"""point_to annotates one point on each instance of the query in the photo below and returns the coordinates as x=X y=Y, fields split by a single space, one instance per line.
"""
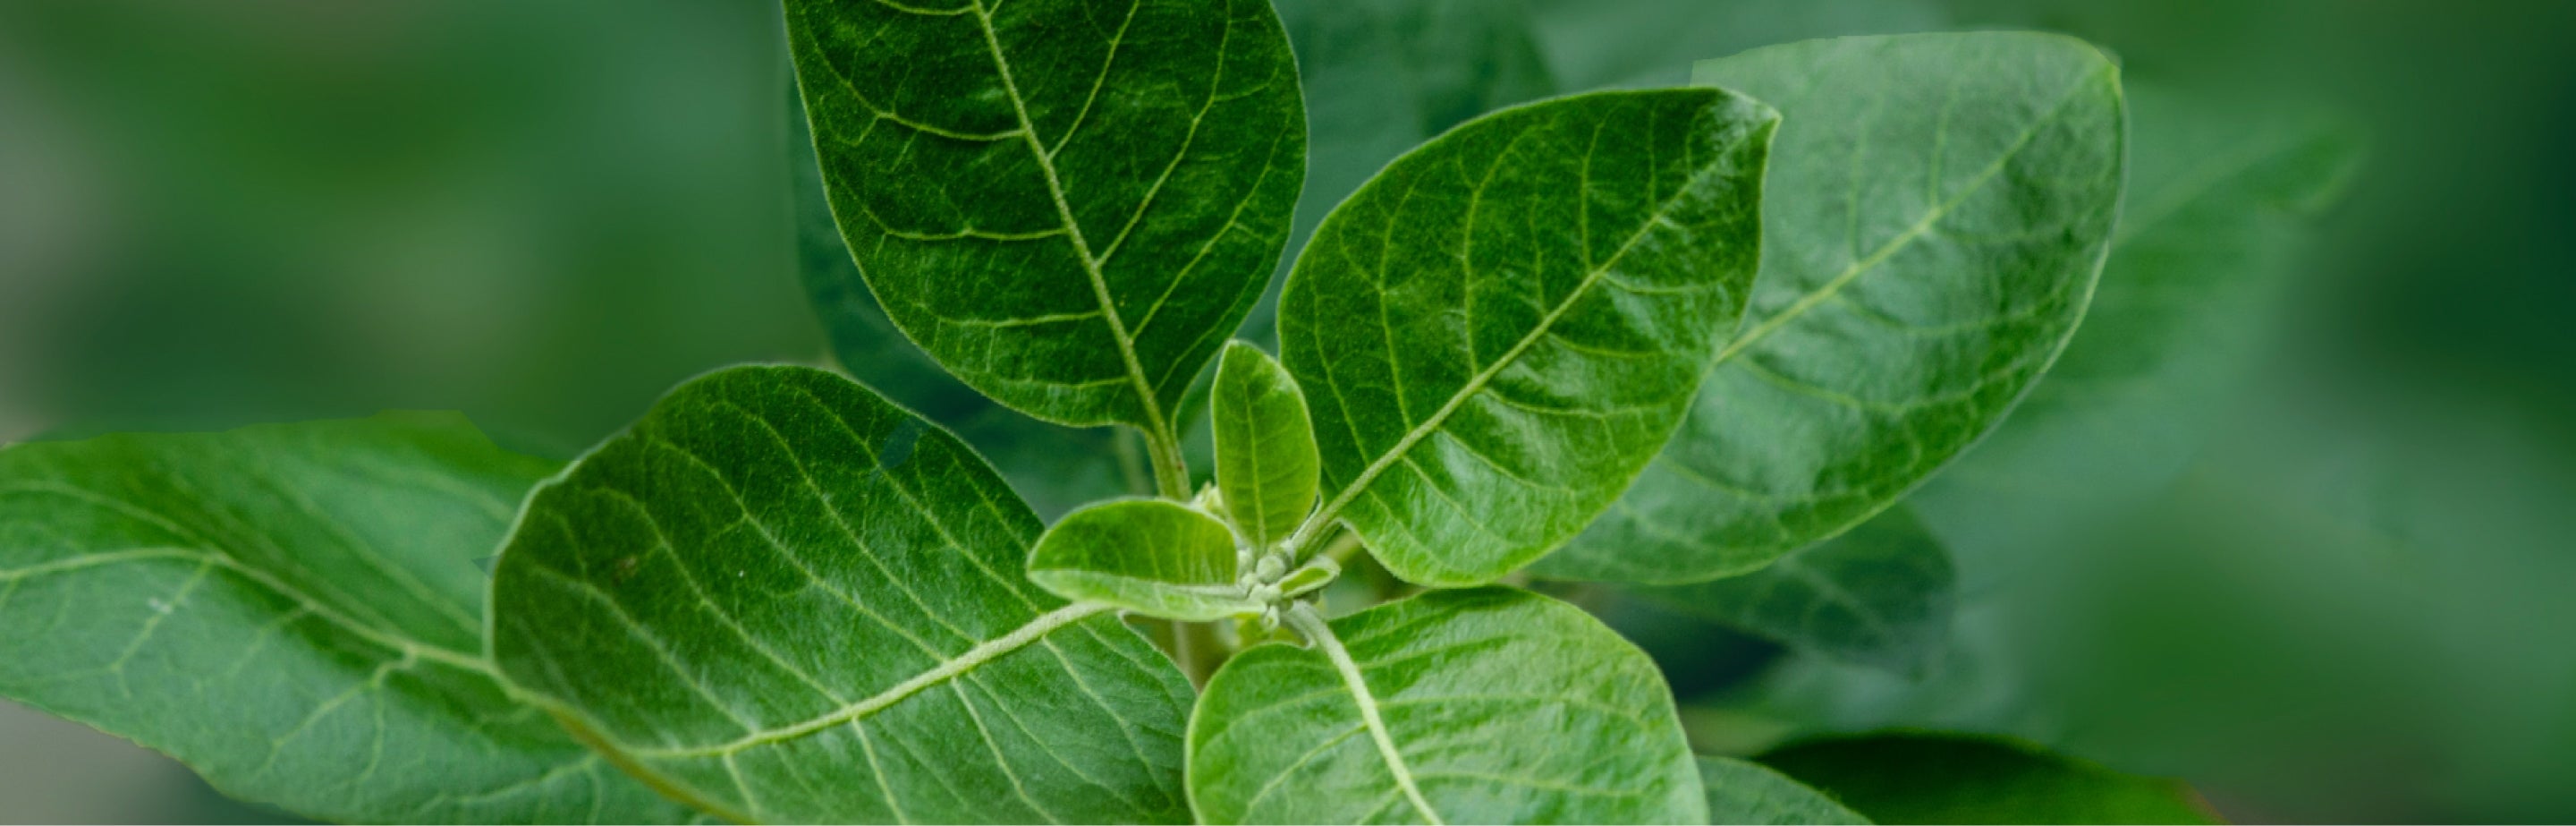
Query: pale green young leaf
x=1151 y=556
x=1265 y=446
x=1939 y=209
x=1881 y=595
x=1903 y=777
x=1745 y=792
x=1489 y=705
x=782 y=598
x=296 y=612
x=1500 y=330
x=2220 y=195
x=1068 y=204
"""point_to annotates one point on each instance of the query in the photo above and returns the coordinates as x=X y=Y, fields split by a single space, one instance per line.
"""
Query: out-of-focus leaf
x=1499 y=331
x=1745 y=792
x=1935 y=221
x=1938 y=778
x=1479 y=706
x=1593 y=44
x=296 y=612
x=1068 y=205
x=1265 y=446
x=1153 y=556
x=1881 y=595
x=778 y=577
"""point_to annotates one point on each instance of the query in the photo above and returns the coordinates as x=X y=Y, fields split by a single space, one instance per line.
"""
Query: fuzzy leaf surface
x=1265 y=445
x=1745 y=792
x=1152 y=556
x=1489 y=705
x=1502 y=328
x=1948 y=778
x=1939 y=207
x=296 y=612
x=1881 y=595
x=1068 y=204
x=782 y=598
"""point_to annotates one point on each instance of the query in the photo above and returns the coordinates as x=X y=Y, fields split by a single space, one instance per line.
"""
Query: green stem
x=1171 y=471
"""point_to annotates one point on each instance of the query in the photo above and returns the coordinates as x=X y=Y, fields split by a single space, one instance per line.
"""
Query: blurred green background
x=2357 y=604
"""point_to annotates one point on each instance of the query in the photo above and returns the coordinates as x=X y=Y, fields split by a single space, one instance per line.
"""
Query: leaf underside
x=1485 y=706
x=1068 y=205
x=782 y=598
x=295 y=611
x=1498 y=331
x=1940 y=205
x=1880 y=595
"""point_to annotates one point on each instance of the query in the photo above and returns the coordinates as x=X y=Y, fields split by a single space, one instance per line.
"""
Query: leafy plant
x=1697 y=343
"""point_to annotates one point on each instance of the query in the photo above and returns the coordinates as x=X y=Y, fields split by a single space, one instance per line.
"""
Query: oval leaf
x=1880 y=595
x=1501 y=329
x=296 y=612
x=1480 y=706
x=1151 y=556
x=1068 y=204
x=1742 y=792
x=1940 y=207
x=1949 y=778
x=1265 y=446
x=782 y=598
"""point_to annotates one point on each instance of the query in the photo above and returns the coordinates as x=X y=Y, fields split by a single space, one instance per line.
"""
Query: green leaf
x=781 y=597
x=1744 y=792
x=1265 y=446
x=1939 y=212
x=1152 y=556
x=1946 y=778
x=1879 y=595
x=1479 y=706
x=1067 y=204
x=2219 y=195
x=1502 y=328
x=296 y=612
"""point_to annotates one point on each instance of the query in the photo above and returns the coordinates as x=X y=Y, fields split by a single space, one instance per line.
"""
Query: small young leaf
x=1937 y=215
x=1743 y=792
x=1265 y=446
x=1879 y=595
x=781 y=597
x=1068 y=204
x=1480 y=706
x=296 y=612
x=1501 y=329
x=1151 y=556
x=1948 y=778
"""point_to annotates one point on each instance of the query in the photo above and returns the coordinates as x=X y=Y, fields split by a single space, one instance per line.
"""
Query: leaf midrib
x=1321 y=633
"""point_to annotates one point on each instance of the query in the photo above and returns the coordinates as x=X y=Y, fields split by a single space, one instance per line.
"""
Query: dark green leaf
x=1152 y=556
x=2219 y=193
x=1500 y=330
x=783 y=598
x=1941 y=778
x=1879 y=595
x=1743 y=792
x=1938 y=214
x=1489 y=705
x=1068 y=204
x=1265 y=446
x=295 y=611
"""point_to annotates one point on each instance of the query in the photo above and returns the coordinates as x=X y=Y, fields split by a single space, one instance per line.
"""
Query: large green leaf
x=1500 y=330
x=2219 y=193
x=1265 y=446
x=1938 y=214
x=1938 y=778
x=1479 y=706
x=1068 y=204
x=296 y=612
x=1744 y=792
x=1881 y=595
x=1153 y=556
x=782 y=598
